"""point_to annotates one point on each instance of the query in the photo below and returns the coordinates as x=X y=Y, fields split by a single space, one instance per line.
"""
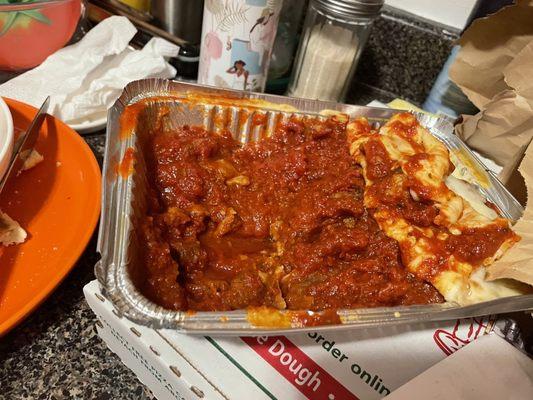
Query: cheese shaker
x=334 y=33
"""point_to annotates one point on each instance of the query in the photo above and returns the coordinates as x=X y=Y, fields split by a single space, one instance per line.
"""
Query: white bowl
x=7 y=137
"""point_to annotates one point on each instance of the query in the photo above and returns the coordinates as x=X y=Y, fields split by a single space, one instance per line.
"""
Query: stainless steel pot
x=181 y=18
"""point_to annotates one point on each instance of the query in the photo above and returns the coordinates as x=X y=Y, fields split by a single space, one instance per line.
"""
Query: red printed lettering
x=294 y=365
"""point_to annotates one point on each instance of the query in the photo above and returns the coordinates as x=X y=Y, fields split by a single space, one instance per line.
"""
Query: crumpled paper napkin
x=84 y=79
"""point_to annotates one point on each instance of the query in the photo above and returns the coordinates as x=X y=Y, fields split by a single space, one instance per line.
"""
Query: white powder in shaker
x=327 y=62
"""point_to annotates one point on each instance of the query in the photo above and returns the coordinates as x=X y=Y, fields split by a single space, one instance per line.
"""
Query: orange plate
x=58 y=203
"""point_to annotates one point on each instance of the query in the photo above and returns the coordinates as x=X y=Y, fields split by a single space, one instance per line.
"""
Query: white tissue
x=84 y=79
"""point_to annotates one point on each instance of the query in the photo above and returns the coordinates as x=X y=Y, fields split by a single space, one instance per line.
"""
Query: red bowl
x=31 y=31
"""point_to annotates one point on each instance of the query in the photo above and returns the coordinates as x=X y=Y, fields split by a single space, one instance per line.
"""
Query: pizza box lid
x=363 y=364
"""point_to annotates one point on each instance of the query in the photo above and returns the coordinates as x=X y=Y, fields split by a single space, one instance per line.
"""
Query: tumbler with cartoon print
x=237 y=40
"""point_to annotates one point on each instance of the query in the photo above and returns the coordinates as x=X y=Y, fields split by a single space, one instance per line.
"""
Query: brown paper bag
x=504 y=125
x=494 y=68
x=487 y=47
x=501 y=129
x=518 y=262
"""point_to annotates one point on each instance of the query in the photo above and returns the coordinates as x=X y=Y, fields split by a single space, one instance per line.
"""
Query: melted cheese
x=464 y=290
x=425 y=169
x=471 y=195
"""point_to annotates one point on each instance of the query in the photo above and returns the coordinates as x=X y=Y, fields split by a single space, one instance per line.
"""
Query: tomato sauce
x=326 y=317
x=476 y=244
x=125 y=167
x=278 y=223
x=379 y=163
x=392 y=191
x=129 y=119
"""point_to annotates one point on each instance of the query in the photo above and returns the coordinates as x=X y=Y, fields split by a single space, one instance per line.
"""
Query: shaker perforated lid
x=350 y=8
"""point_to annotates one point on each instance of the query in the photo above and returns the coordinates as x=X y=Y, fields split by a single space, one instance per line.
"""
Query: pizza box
x=489 y=368
x=363 y=364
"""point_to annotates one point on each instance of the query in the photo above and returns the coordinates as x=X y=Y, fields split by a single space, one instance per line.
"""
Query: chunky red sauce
x=475 y=245
x=277 y=223
x=379 y=163
x=391 y=191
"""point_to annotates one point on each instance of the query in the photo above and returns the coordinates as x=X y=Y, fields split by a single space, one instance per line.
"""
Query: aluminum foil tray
x=124 y=202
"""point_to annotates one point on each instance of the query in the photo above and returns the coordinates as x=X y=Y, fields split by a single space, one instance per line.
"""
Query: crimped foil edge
x=116 y=225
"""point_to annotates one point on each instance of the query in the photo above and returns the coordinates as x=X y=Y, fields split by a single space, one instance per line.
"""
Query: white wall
x=453 y=13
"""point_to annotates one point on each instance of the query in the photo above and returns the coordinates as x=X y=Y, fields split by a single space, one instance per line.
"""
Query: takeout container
x=6 y=137
x=174 y=104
